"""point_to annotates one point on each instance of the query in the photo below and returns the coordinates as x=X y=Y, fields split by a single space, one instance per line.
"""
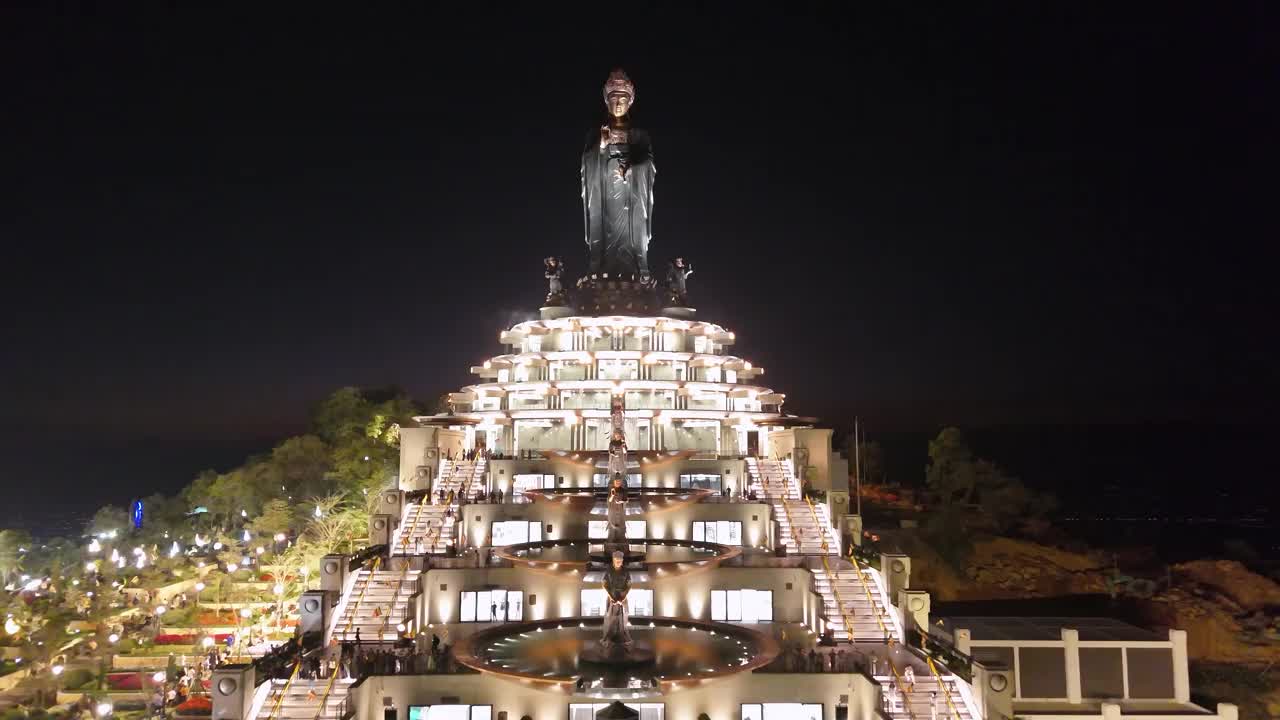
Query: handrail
x=351 y=613
x=324 y=700
x=871 y=599
x=394 y=598
x=831 y=578
x=906 y=694
x=285 y=690
x=817 y=524
x=946 y=694
x=411 y=528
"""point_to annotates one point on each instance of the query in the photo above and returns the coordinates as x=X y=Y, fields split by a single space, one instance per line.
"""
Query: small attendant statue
x=553 y=268
x=677 y=275
x=617 y=583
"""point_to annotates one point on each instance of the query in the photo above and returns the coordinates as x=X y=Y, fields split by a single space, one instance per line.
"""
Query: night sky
x=1002 y=215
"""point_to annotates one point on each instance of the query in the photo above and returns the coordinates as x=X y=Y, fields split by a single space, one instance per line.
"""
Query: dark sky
x=1007 y=214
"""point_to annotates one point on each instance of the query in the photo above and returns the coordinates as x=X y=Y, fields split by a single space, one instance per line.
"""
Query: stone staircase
x=377 y=601
x=300 y=699
x=866 y=615
x=427 y=528
x=925 y=699
x=804 y=528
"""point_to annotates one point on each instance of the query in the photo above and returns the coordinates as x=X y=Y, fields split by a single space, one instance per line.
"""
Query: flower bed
x=196 y=705
x=124 y=681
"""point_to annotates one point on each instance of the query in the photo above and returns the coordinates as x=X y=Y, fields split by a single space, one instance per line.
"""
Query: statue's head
x=678 y=262
x=617 y=559
x=617 y=480
x=619 y=93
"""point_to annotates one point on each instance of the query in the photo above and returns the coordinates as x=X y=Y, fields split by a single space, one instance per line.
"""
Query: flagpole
x=857 y=464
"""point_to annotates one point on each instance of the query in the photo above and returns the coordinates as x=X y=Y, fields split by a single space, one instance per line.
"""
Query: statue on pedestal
x=553 y=268
x=616 y=513
x=617 y=175
x=617 y=583
x=677 y=275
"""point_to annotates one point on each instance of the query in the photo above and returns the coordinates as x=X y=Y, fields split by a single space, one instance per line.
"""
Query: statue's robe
x=618 y=211
x=617 y=583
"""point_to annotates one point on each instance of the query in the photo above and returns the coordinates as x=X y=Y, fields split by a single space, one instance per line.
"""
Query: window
x=450 y=712
x=747 y=606
x=530 y=482
x=782 y=711
x=497 y=605
x=706 y=481
x=725 y=532
x=512 y=532
x=648 y=711
x=600 y=480
x=619 y=369
x=599 y=529
x=639 y=602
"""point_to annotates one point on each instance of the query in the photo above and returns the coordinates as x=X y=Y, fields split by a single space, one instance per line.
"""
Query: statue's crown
x=619 y=82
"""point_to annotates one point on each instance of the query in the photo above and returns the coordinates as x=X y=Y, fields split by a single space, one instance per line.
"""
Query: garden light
x=103 y=709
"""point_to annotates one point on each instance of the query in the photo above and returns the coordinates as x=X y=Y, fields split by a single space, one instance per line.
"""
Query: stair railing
x=871 y=599
x=324 y=700
x=906 y=694
x=284 y=690
x=406 y=531
x=946 y=694
x=353 y=610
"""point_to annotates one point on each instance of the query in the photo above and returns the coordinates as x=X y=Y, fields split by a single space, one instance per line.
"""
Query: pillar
x=1071 y=648
x=1181 y=676
x=993 y=690
x=915 y=605
x=850 y=527
x=380 y=529
x=313 y=612
x=391 y=503
x=1110 y=711
x=232 y=687
x=333 y=573
x=897 y=573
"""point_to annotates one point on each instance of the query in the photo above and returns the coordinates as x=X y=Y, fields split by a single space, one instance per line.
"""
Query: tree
x=13 y=545
x=302 y=464
x=277 y=517
x=971 y=493
x=107 y=519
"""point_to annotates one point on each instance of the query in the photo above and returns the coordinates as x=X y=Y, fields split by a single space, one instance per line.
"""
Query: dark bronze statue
x=553 y=268
x=677 y=274
x=617 y=584
x=617 y=188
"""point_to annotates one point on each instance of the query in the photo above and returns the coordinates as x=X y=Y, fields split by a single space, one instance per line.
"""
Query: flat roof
x=1047 y=628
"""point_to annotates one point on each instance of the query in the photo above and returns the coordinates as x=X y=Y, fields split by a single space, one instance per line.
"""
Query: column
x=1181 y=678
x=1071 y=646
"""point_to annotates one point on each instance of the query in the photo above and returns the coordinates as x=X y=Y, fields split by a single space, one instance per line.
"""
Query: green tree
x=302 y=464
x=108 y=518
x=277 y=517
x=13 y=546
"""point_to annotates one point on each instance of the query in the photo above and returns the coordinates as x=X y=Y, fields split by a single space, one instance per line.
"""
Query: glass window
x=599 y=529
x=648 y=711
x=706 y=481
x=748 y=606
x=450 y=712
x=619 y=369
x=494 y=605
x=781 y=711
x=639 y=602
x=530 y=481
x=724 y=532
x=599 y=480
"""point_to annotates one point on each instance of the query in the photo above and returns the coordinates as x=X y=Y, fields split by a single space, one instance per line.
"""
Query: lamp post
x=199 y=589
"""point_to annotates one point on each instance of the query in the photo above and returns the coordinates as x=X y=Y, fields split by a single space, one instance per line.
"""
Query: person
x=909 y=677
x=933 y=705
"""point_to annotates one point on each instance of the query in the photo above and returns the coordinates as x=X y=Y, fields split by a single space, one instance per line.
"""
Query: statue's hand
x=604 y=136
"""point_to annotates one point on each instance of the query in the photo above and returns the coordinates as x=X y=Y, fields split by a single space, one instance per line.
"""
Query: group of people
x=418 y=658
x=817 y=661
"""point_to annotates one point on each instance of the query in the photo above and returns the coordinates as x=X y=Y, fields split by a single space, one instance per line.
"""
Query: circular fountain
x=609 y=656
x=669 y=653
